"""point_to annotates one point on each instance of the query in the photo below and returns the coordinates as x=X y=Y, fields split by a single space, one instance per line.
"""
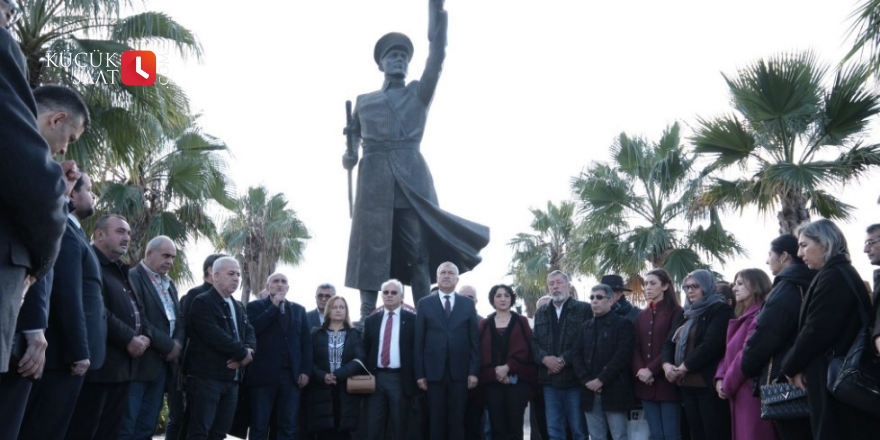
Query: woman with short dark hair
x=507 y=368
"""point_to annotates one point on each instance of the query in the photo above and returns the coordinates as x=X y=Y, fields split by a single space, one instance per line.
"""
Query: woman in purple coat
x=750 y=286
x=659 y=397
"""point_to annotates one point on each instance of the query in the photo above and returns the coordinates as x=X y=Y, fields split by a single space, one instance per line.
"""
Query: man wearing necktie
x=389 y=341
x=447 y=354
x=77 y=328
x=284 y=363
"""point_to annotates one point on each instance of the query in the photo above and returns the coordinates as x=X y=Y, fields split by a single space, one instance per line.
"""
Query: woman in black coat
x=691 y=355
x=777 y=326
x=333 y=412
x=829 y=323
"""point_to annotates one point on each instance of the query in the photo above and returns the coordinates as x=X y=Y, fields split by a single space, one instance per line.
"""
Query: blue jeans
x=664 y=419
x=563 y=405
x=599 y=422
x=144 y=405
x=281 y=399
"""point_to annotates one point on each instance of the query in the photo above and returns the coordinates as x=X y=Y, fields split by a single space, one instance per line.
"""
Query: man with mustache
x=556 y=330
x=156 y=372
x=103 y=398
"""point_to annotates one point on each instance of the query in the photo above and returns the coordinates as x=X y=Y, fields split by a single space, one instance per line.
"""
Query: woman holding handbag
x=750 y=286
x=338 y=347
x=660 y=397
x=829 y=323
x=776 y=328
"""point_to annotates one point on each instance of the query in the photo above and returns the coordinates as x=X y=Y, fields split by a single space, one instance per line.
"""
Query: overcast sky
x=531 y=93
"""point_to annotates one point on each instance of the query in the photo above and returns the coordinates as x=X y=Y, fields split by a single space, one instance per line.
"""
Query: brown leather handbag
x=361 y=384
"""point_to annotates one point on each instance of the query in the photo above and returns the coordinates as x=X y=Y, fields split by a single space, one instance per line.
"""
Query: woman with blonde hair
x=751 y=287
x=333 y=412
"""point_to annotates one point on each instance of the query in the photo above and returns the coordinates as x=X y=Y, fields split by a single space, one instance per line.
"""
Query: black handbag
x=854 y=379
x=782 y=400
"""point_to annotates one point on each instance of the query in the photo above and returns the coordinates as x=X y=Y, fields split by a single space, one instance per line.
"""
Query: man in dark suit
x=156 y=367
x=284 y=363
x=77 y=328
x=447 y=354
x=103 y=398
x=389 y=341
x=33 y=220
x=221 y=343
x=29 y=352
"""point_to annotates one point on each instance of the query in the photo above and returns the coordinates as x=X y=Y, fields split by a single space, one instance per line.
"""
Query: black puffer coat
x=777 y=324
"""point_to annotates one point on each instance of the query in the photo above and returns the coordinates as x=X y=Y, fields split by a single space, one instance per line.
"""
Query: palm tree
x=792 y=139
x=262 y=233
x=537 y=254
x=125 y=119
x=635 y=208
x=168 y=192
x=866 y=30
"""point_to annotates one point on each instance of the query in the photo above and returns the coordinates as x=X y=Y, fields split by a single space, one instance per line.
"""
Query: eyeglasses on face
x=598 y=297
x=390 y=292
x=690 y=287
x=324 y=295
x=871 y=242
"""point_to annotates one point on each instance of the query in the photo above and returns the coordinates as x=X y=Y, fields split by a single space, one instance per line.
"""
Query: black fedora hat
x=389 y=41
x=615 y=282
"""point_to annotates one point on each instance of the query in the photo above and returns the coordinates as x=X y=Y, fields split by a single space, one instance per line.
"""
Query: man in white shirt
x=389 y=338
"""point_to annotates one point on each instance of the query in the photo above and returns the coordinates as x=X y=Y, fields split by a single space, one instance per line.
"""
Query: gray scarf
x=692 y=313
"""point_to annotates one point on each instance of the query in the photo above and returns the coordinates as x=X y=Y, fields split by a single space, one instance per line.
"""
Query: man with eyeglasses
x=872 y=248
x=322 y=294
x=389 y=341
x=602 y=363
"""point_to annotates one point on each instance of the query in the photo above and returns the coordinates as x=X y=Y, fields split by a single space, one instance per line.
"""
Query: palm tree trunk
x=794 y=211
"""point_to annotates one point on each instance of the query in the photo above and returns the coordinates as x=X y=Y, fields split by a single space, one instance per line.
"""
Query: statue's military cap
x=389 y=41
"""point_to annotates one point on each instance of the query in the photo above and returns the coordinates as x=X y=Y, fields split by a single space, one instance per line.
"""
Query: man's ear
x=57 y=118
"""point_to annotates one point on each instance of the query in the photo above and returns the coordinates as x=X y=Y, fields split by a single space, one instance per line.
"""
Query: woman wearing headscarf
x=691 y=355
x=776 y=327
x=750 y=286
x=829 y=323
x=659 y=397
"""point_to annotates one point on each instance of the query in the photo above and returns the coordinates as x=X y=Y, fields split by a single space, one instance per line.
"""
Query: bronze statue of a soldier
x=398 y=229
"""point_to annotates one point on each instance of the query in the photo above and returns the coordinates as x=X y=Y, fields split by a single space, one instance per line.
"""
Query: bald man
x=158 y=368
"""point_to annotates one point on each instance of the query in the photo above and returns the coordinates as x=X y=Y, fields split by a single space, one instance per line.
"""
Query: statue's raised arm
x=438 y=21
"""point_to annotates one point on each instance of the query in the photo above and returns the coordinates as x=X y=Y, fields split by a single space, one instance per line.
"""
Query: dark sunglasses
x=390 y=292
x=690 y=287
x=598 y=297
x=324 y=295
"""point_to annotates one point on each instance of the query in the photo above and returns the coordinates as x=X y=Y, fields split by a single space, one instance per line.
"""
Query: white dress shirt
x=394 y=349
